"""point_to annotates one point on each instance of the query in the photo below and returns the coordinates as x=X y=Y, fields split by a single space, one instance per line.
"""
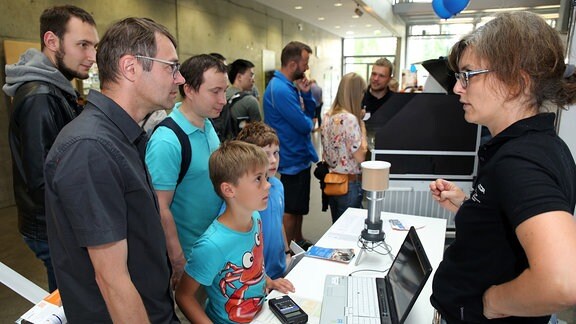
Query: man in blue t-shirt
x=289 y=109
x=188 y=208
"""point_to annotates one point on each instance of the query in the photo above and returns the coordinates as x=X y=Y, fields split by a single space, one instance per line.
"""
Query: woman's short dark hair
x=130 y=36
x=193 y=70
x=55 y=19
x=525 y=54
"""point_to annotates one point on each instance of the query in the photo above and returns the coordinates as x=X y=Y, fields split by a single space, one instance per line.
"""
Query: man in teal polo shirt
x=188 y=208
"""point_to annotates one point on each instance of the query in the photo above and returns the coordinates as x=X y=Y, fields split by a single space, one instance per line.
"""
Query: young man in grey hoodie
x=44 y=101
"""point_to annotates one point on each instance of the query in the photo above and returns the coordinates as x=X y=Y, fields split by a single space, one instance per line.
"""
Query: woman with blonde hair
x=344 y=142
x=514 y=256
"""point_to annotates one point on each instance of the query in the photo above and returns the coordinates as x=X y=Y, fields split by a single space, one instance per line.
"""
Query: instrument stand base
x=371 y=246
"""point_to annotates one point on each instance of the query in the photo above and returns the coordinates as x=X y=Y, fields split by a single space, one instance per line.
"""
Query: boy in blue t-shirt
x=276 y=248
x=228 y=259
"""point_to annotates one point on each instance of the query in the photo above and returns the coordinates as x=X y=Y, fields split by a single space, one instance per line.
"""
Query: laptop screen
x=408 y=274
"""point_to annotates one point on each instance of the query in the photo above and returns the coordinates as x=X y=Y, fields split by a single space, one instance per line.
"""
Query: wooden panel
x=13 y=49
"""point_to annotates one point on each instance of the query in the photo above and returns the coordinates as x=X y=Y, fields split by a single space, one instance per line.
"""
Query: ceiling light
x=338 y=4
x=377 y=32
x=355 y=17
x=349 y=32
x=368 y=25
x=337 y=27
x=550 y=16
x=321 y=18
x=547 y=7
x=298 y=7
x=463 y=20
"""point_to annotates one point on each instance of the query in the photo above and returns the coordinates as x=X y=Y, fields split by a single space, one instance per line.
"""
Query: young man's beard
x=66 y=71
x=379 y=88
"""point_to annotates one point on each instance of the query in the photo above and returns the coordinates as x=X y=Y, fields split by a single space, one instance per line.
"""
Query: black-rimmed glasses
x=174 y=65
x=464 y=77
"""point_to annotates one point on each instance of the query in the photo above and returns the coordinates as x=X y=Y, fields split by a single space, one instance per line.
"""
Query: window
x=426 y=42
x=377 y=46
x=424 y=30
x=361 y=53
x=456 y=29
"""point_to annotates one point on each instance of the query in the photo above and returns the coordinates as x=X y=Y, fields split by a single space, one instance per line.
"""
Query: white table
x=308 y=276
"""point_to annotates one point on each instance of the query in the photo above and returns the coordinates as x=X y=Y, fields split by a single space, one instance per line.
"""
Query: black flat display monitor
x=431 y=124
x=439 y=70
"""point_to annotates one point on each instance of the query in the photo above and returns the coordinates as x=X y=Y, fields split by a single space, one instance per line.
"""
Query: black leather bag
x=320 y=173
x=321 y=170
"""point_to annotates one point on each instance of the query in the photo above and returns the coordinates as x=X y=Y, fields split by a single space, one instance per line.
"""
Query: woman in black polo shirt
x=514 y=257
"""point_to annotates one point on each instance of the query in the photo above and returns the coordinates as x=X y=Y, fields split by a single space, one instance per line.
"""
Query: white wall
x=567 y=127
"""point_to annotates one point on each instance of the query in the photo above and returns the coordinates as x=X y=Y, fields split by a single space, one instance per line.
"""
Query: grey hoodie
x=34 y=66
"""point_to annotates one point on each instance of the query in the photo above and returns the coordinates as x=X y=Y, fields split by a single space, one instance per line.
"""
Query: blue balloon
x=438 y=6
x=455 y=6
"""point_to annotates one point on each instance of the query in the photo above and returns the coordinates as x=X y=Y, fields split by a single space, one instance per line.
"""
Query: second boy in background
x=234 y=274
x=275 y=245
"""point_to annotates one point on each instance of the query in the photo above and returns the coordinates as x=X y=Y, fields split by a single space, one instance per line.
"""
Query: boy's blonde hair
x=232 y=160
x=259 y=134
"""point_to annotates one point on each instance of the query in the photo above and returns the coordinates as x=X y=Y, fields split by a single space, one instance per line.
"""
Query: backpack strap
x=146 y=120
x=224 y=125
x=184 y=143
x=235 y=98
x=233 y=126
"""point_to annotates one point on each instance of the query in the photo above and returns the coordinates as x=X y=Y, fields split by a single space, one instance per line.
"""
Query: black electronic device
x=287 y=311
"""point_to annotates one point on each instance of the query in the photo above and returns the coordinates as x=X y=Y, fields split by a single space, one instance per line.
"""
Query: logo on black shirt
x=475 y=194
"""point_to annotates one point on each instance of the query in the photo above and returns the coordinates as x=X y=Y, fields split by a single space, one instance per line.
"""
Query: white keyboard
x=363 y=320
x=363 y=298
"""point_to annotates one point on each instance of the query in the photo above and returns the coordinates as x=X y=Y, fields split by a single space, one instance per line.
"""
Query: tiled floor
x=15 y=254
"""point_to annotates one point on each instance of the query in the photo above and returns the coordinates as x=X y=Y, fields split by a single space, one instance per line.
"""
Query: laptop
x=386 y=300
x=298 y=255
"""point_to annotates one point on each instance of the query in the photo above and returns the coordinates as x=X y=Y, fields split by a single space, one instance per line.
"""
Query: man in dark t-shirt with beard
x=378 y=92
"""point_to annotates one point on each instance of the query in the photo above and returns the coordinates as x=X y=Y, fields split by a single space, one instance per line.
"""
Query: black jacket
x=39 y=111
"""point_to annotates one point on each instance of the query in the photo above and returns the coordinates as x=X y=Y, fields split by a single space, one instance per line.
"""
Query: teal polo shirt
x=195 y=204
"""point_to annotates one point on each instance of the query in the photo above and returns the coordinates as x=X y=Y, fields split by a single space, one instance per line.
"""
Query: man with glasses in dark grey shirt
x=104 y=228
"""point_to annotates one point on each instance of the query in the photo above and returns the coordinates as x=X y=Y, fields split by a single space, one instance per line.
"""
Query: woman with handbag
x=344 y=145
